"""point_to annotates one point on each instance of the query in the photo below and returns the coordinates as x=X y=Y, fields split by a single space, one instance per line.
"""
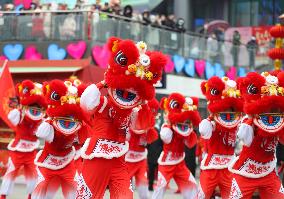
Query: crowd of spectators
x=114 y=8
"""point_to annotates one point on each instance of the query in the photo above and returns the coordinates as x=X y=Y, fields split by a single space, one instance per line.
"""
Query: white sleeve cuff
x=206 y=128
x=45 y=131
x=14 y=116
x=166 y=135
x=245 y=133
x=90 y=98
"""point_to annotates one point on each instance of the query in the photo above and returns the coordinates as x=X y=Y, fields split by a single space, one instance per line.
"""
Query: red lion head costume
x=264 y=100
x=224 y=101
x=132 y=72
x=31 y=99
x=63 y=98
x=181 y=112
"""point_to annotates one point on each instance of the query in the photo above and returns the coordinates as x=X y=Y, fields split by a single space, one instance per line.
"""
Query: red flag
x=7 y=93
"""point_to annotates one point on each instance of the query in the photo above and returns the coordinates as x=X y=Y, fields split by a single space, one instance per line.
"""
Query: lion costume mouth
x=125 y=98
x=67 y=125
x=228 y=119
x=183 y=129
x=34 y=112
x=270 y=122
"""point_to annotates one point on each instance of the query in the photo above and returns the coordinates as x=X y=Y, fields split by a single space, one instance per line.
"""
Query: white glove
x=166 y=135
x=206 y=128
x=14 y=116
x=245 y=133
x=45 y=131
x=90 y=98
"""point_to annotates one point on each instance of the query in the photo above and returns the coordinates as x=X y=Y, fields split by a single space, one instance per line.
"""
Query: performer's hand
x=90 y=98
x=245 y=131
x=166 y=134
x=14 y=116
x=206 y=128
x=45 y=131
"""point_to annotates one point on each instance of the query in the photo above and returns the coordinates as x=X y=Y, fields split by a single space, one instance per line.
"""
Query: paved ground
x=19 y=192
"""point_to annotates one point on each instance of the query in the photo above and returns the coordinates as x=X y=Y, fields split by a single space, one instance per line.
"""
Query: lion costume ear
x=45 y=88
x=203 y=87
x=163 y=103
x=113 y=44
x=19 y=88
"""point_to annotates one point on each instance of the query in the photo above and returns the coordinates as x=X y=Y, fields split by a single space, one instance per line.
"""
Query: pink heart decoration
x=170 y=65
x=77 y=50
x=101 y=55
x=26 y=3
x=200 y=67
x=2 y=57
x=31 y=53
x=232 y=73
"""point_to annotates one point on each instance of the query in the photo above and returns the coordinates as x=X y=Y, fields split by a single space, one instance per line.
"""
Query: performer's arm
x=45 y=131
x=14 y=116
x=245 y=132
x=206 y=127
x=166 y=134
x=91 y=98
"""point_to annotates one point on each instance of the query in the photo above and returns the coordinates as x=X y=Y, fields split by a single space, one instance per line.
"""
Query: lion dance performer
x=136 y=157
x=260 y=131
x=22 y=149
x=219 y=132
x=64 y=126
x=129 y=80
x=181 y=115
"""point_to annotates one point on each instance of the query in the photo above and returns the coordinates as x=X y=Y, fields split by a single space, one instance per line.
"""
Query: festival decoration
x=77 y=50
x=55 y=52
x=13 y=51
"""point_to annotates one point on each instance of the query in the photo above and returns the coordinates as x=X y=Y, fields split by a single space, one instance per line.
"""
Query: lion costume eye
x=214 y=91
x=252 y=89
x=121 y=59
x=54 y=96
x=25 y=90
x=174 y=104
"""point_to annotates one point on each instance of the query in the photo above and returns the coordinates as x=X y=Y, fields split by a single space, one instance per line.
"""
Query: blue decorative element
x=209 y=70
x=270 y=120
x=67 y=124
x=19 y=8
x=219 y=71
x=228 y=117
x=179 y=62
x=13 y=52
x=242 y=72
x=55 y=53
x=34 y=112
x=189 y=68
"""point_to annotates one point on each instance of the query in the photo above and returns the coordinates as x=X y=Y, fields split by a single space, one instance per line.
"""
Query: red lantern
x=277 y=31
x=276 y=53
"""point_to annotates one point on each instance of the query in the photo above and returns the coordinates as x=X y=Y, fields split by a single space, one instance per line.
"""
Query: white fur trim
x=45 y=131
x=200 y=194
x=83 y=191
x=90 y=98
x=213 y=164
x=135 y=156
x=235 y=192
x=281 y=190
x=104 y=105
x=205 y=129
x=245 y=133
x=24 y=145
x=98 y=154
x=77 y=154
x=66 y=160
x=169 y=161
x=166 y=135
x=243 y=169
x=14 y=116
x=7 y=182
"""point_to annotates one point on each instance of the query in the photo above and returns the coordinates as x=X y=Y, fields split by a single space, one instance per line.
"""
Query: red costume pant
x=98 y=173
x=139 y=171
x=182 y=176
x=210 y=179
x=18 y=160
x=49 y=182
x=269 y=187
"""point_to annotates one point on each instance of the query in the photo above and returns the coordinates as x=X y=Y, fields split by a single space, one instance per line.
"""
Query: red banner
x=7 y=94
